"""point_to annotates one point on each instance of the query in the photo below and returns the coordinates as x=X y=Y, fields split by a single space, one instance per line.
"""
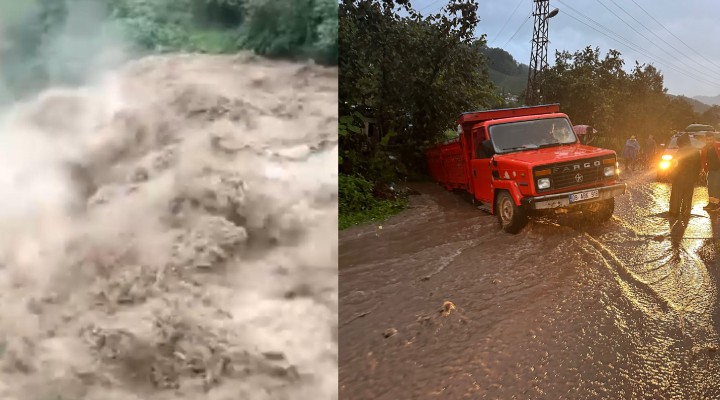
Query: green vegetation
x=410 y=76
x=359 y=200
x=597 y=91
x=63 y=41
x=506 y=73
x=357 y=203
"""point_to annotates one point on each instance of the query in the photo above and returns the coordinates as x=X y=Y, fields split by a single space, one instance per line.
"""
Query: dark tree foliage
x=410 y=74
x=597 y=91
x=289 y=28
x=503 y=62
x=414 y=74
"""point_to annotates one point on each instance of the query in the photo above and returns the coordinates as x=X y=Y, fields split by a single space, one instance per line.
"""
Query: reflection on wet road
x=628 y=309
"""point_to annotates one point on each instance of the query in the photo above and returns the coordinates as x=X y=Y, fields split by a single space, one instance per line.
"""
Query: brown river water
x=627 y=309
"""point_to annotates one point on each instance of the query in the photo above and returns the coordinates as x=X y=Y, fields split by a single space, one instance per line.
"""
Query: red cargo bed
x=447 y=165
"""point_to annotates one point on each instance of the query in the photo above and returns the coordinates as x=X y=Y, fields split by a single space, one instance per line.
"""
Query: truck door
x=481 y=168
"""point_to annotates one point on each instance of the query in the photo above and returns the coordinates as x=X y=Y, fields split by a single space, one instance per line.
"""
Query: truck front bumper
x=561 y=200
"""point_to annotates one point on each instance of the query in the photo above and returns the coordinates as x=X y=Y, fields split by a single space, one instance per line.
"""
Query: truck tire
x=512 y=218
x=601 y=211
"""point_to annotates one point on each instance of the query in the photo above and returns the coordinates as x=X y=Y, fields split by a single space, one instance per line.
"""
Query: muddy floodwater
x=437 y=302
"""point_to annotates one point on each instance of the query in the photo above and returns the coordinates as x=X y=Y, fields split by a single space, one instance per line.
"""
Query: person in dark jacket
x=712 y=165
x=684 y=176
x=650 y=151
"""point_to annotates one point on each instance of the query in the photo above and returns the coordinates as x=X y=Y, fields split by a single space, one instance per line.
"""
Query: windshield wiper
x=542 y=146
x=524 y=147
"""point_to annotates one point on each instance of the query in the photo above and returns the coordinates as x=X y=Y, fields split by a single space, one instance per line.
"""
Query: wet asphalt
x=437 y=302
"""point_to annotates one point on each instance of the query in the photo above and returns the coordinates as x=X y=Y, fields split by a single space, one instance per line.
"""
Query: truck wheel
x=601 y=211
x=511 y=217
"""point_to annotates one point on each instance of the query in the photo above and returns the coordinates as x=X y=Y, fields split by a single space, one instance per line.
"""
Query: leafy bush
x=358 y=205
x=356 y=194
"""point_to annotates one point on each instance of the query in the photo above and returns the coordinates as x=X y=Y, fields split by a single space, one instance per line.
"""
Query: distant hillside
x=698 y=105
x=713 y=101
x=505 y=72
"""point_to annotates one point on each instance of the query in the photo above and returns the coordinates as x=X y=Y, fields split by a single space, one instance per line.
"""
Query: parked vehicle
x=525 y=161
x=697 y=139
x=693 y=128
x=585 y=133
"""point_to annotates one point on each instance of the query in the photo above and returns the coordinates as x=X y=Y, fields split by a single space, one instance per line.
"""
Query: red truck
x=520 y=162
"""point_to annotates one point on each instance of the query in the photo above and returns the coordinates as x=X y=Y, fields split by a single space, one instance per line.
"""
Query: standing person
x=631 y=153
x=712 y=165
x=684 y=176
x=650 y=150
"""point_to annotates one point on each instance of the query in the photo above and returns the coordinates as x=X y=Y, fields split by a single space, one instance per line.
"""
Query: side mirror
x=488 y=148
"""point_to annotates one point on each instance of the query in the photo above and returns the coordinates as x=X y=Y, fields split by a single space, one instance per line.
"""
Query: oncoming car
x=696 y=128
x=667 y=161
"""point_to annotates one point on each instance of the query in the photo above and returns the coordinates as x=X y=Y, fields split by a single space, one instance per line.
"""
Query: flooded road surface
x=439 y=303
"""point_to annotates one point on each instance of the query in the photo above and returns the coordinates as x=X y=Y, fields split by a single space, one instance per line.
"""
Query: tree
x=413 y=73
x=711 y=116
x=292 y=27
x=597 y=91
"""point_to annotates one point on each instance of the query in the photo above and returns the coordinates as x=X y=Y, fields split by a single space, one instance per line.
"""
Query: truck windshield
x=525 y=135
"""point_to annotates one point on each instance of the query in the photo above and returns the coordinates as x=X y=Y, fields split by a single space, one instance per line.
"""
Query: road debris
x=389 y=332
x=447 y=308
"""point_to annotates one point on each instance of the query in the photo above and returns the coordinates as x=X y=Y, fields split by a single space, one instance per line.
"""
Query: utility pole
x=538 y=54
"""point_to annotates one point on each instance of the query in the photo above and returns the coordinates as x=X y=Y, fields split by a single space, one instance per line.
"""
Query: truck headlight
x=667 y=157
x=609 y=171
x=664 y=164
x=543 y=183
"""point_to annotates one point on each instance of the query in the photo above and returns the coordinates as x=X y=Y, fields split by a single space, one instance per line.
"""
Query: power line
x=646 y=28
x=518 y=30
x=657 y=36
x=650 y=56
x=673 y=35
x=430 y=5
x=618 y=38
x=497 y=35
x=646 y=38
x=608 y=34
x=633 y=46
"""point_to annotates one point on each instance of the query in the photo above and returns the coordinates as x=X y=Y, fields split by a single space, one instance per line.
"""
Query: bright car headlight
x=609 y=171
x=667 y=157
x=543 y=183
x=664 y=164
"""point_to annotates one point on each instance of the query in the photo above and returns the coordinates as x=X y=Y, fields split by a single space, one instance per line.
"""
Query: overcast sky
x=681 y=38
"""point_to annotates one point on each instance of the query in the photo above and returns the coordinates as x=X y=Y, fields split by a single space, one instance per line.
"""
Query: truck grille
x=574 y=173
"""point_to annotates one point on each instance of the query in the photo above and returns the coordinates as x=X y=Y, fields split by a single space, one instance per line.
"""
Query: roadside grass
x=378 y=212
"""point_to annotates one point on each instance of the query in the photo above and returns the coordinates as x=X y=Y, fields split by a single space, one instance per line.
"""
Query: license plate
x=592 y=194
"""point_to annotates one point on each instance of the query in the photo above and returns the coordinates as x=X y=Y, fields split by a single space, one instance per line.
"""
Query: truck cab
x=524 y=161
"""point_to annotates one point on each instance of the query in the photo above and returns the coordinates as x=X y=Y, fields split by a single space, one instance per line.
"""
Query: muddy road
x=628 y=309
